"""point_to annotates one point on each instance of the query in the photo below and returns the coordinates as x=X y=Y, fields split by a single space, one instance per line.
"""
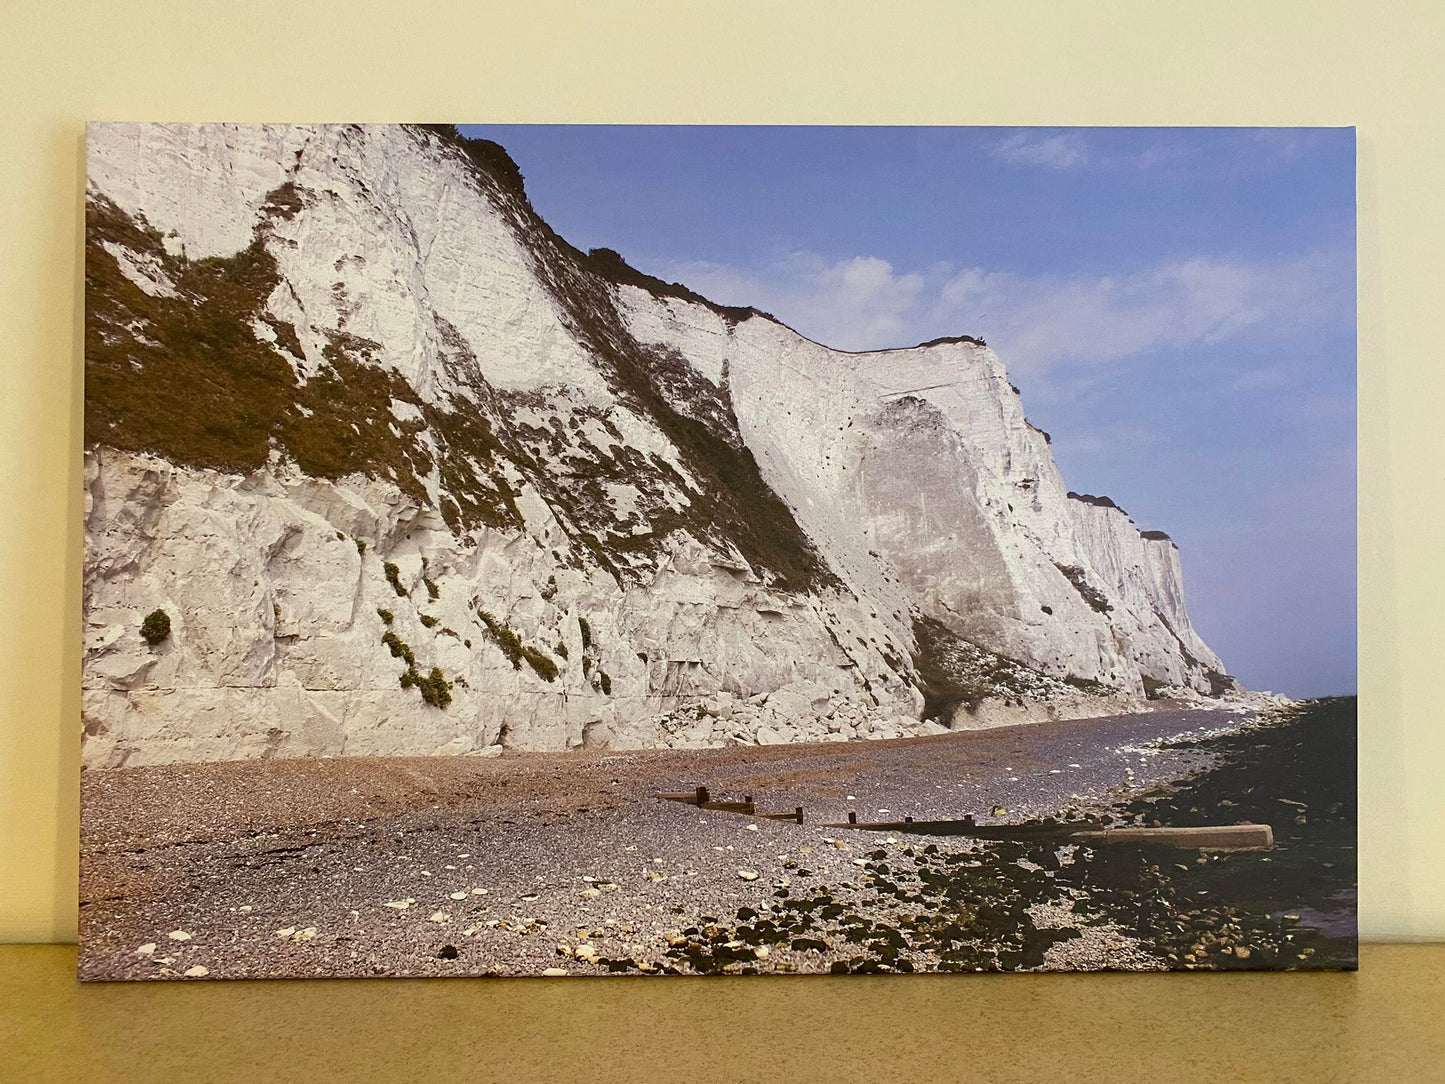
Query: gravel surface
x=567 y=863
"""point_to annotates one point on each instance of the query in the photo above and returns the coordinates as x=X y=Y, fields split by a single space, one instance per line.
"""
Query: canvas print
x=580 y=551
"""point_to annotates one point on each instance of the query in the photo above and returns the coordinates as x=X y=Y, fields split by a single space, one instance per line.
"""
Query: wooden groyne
x=1212 y=837
x=704 y=800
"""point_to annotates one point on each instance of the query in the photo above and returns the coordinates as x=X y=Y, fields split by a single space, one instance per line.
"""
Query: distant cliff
x=407 y=473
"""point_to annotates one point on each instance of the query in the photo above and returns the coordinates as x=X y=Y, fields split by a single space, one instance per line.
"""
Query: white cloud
x=855 y=304
x=1063 y=325
x=1266 y=379
x=1046 y=322
x=1280 y=146
x=1055 y=150
x=1103 y=440
x=1071 y=149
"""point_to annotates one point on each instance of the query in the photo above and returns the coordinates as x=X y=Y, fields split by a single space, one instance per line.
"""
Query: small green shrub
x=156 y=627
x=516 y=651
x=586 y=631
x=431 y=588
x=435 y=689
x=549 y=592
x=561 y=649
x=399 y=648
x=606 y=683
x=387 y=617
x=361 y=547
x=393 y=577
x=507 y=640
x=428 y=620
x=546 y=669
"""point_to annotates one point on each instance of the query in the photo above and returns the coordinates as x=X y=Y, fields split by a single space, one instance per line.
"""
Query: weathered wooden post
x=907 y=820
x=701 y=797
x=748 y=802
x=852 y=817
x=1214 y=837
x=799 y=814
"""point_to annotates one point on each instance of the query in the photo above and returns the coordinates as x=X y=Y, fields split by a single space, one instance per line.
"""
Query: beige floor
x=1386 y=1023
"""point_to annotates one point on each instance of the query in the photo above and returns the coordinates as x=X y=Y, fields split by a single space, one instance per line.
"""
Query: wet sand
x=530 y=862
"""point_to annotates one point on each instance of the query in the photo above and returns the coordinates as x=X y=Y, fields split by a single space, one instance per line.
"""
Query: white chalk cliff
x=407 y=474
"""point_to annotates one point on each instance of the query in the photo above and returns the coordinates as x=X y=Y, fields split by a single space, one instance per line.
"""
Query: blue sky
x=1176 y=305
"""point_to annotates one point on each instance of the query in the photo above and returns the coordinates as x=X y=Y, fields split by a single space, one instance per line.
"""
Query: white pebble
x=748 y=874
x=197 y=972
x=459 y=895
x=179 y=935
x=146 y=949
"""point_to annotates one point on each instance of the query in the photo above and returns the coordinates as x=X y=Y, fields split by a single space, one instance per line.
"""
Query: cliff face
x=409 y=474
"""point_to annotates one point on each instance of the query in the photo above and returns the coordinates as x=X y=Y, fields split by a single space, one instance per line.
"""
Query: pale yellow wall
x=1369 y=63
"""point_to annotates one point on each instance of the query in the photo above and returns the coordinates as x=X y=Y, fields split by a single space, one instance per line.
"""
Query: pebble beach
x=535 y=864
